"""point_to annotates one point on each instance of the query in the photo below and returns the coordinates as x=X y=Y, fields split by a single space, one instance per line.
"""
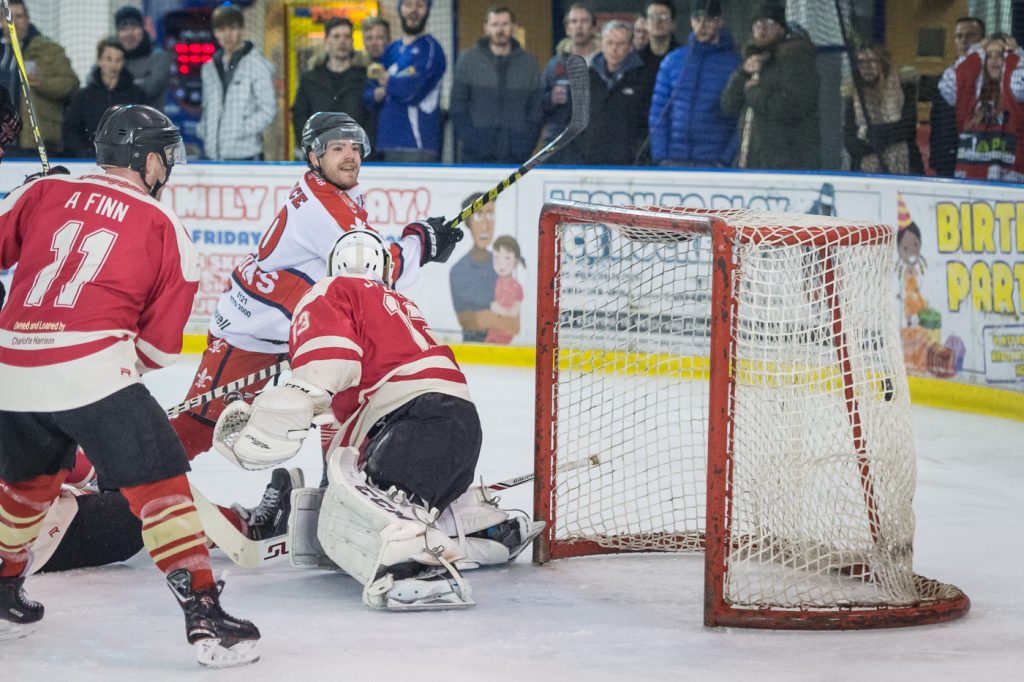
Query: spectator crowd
x=707 y=102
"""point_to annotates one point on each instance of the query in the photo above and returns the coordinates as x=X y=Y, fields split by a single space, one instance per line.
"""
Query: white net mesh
x=820 y=469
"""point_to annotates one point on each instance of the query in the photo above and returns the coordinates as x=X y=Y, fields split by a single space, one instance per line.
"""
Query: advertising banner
x=960 y=255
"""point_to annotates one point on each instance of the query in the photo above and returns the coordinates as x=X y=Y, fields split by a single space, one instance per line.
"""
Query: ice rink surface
x=608 y=618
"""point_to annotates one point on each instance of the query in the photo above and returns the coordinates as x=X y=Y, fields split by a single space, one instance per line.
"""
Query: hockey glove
x=271 y=430
x=438 y=240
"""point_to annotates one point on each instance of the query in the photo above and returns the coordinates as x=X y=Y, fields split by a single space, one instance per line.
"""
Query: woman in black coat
x=109 y=84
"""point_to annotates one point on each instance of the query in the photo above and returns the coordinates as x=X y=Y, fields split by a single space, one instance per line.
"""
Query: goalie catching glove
x=271 y=430
x=438 y=239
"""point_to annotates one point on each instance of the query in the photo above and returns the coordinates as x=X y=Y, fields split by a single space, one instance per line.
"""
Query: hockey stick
x=25 y=91
x=858 y=85
x=593 y=461
x=265 y=373
x=579 y=90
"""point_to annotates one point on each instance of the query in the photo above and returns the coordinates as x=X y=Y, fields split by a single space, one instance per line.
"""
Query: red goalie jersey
x=372 y=348
x=105 y=281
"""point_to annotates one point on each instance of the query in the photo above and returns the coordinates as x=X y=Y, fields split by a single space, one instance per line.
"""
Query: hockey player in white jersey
x=398 y=513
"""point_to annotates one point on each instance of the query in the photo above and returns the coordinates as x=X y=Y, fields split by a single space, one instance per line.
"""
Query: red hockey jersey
x=105 y=281
x=372 y=348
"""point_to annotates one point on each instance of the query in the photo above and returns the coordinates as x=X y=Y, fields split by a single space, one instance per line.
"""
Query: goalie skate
x=429 y=588
x=516 y=534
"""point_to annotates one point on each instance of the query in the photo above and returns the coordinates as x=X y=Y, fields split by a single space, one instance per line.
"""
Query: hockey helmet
x=324 y=126
x=127 y=134
x=360 y=253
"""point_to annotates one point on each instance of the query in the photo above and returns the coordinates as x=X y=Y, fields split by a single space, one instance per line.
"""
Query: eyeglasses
x=659 y=16
x=765 y=23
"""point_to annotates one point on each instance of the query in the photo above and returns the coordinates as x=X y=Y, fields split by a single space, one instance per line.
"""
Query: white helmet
x=360 y=253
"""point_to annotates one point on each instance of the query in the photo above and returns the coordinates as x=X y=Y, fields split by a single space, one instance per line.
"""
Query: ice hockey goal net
x=732 y=381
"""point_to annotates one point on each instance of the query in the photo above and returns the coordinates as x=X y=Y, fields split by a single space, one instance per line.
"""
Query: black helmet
x=324 y=126
x=128 y=133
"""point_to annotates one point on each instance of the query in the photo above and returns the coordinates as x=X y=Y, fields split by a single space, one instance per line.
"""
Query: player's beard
x=414 y=29
x=344 y=178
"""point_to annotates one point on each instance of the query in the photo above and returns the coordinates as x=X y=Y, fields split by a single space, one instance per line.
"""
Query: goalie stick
x=255 y=553
x=25 y=90
x=238 y=547
x=579 y=90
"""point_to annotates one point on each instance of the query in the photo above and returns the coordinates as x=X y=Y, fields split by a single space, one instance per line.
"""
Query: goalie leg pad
x=428 y=447
x=306 y=550
x=367 y=532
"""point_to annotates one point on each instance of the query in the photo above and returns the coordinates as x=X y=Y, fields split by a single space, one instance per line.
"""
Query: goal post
x=731 y=381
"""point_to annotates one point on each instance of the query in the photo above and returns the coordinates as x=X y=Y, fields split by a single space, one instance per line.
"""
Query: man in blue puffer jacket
x=687 y=124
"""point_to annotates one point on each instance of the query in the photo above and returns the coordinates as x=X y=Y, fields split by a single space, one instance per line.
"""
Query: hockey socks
x=23 y=508
x=171 y=530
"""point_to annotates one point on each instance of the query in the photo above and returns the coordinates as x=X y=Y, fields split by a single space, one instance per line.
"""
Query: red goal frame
x=717 y=535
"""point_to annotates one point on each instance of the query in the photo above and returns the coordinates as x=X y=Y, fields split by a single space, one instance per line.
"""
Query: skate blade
x=413 y=595
x=9 y=630
x=393 y=605
x=212 y=654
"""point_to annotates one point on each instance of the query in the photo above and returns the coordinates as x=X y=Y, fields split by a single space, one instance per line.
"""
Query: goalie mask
x=360 y=253
x=324 y=126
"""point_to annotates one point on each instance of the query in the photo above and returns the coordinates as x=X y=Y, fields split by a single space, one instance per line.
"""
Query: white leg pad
x=306 y=550
x=471 y=511
x=365 y=530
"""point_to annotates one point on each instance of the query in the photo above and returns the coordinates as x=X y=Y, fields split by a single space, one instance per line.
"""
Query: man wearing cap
x=775 y=95
x=149 y=66
x=408 y=96
x=688 y=126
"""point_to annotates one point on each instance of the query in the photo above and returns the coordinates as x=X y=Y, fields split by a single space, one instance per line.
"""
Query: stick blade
x=579 y=88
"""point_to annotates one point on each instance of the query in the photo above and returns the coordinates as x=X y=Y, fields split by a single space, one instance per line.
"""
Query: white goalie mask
x=360 y=253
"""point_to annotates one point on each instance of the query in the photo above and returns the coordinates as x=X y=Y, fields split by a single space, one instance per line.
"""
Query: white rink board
x=970 y=270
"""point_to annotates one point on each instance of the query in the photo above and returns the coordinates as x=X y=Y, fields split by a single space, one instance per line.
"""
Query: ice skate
x=18 y=613
x=269 y=518
x=415 y=587
x=220 y=640
x=516 y=534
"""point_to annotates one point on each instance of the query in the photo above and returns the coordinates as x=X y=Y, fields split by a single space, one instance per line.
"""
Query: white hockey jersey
x=255 y=312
